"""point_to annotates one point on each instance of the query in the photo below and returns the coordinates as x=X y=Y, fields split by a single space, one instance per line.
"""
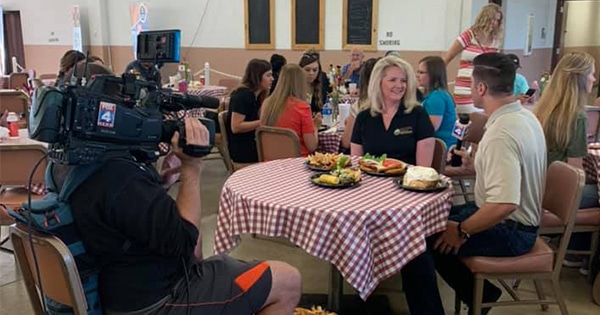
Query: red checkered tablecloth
x=329 y=142
x=368 y=232
x=209 y=90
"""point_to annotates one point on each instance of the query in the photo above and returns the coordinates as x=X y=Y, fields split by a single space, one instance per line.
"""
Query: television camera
x=117 y=116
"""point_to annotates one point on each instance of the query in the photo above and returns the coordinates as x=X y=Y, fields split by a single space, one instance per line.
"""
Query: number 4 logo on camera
x=106 y=115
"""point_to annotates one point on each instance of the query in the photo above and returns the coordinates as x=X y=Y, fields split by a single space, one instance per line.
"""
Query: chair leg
x=540 y=293
x=463 y=189
x=477 y=295
x=594 y=249
x=559 y=297
x=516 y=284
x=457 y=304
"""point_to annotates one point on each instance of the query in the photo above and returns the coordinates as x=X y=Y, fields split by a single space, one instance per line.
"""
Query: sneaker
x=573 y=261
x=584 y=270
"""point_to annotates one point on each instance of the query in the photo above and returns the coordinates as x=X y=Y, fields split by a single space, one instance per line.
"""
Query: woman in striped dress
x=483 y=37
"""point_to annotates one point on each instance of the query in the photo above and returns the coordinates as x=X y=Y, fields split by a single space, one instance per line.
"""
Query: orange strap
x=247 y=279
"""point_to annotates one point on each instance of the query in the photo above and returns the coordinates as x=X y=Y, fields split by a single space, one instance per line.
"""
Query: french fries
x=313 y=311
x=326 y=161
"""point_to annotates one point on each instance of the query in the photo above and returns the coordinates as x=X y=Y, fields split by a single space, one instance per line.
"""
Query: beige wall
x=45 y=59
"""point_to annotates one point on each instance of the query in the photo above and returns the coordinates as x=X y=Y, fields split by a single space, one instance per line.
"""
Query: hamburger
x=420 y=177
x=381 y=165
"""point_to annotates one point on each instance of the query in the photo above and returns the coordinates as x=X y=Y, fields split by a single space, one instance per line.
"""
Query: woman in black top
x=244 y=107
x=316 y=79
x=396 y=124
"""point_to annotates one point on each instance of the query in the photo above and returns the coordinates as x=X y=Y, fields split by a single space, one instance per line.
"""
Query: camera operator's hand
x=197 y=134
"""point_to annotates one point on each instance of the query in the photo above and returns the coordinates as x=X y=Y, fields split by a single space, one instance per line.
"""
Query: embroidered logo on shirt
x=403 y=131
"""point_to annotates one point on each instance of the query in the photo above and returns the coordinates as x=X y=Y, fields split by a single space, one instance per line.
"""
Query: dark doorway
x=13 y=40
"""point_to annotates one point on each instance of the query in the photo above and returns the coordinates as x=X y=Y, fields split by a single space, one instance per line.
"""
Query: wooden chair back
x=275 y=143
x=57 y=269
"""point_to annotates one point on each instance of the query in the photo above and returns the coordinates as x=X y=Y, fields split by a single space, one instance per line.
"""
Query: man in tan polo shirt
x=510 y=166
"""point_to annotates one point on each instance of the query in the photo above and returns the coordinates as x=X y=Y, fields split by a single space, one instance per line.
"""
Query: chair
x=224 y=144
x=18 y=80
x=17 y=163
x=562 y=193
x=275 y=143
x=57 y=269
x=439 y=156
x=586 y=220
x=593 y=114
x=230 y=84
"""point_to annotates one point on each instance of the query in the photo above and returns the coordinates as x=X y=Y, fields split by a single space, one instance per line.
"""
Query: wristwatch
x=462 y=233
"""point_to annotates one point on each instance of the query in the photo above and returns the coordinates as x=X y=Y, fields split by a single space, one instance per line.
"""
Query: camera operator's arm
x=188 y=198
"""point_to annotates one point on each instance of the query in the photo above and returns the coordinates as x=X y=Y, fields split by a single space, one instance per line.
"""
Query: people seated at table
x=316 y=94
x=360 y=104
x=485 y=35
x=351 y=70
x=67 y=61
x=431 y=76
x=146 y=70
x=277 y=62
x=561 y=112
x=521 y=85
x=287 y=108
x=395 y=124
x=510 y=168
x=244 y=109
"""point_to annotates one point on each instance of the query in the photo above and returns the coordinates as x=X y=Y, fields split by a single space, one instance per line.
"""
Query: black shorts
x=221 y=285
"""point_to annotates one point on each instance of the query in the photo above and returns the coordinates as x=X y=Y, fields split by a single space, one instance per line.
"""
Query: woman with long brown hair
x=316 y=94
x=287 y=108
x=244 y=109
x=561 y=112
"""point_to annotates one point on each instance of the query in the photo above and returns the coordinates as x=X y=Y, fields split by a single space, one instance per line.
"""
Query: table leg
x=336 y=289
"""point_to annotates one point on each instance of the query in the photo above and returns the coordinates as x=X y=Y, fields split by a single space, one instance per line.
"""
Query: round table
x=368 y=232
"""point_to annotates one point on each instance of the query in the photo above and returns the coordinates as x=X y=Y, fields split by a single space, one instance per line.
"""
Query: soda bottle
x=13 y=125
x=327 y=113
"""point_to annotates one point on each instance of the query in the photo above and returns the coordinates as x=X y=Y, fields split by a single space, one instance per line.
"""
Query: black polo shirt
x=400 y=140
x=242 y=146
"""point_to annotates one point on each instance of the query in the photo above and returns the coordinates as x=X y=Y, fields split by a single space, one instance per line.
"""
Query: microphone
x=459 y=132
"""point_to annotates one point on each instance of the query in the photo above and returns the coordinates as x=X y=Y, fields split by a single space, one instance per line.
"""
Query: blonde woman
x=483 y=37
x=395 y=124
x=286 y=108
x=561 y=112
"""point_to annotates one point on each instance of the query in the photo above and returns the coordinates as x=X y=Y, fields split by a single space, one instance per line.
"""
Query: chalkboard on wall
x=308 y=19
x=259 y=24
x=360 y=24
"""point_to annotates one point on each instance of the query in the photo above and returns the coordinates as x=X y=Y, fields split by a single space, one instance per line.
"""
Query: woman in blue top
x=431 y=75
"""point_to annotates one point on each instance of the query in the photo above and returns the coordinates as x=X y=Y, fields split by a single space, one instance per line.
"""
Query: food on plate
x=420 y=177
x=328 y=161
x=340 y=176
x=313 y=311
x=381 y=164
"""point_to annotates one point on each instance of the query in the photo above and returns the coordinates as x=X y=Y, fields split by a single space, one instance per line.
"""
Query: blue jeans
x=503 y=240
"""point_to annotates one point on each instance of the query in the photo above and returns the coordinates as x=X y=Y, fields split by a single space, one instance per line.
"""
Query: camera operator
x=143 y=241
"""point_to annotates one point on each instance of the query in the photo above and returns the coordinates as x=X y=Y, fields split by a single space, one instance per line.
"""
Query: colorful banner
x=138 y=13
x=77 y=36
x=2 y=48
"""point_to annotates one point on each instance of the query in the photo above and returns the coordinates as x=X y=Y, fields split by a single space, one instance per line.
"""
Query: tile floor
x=315 y=272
